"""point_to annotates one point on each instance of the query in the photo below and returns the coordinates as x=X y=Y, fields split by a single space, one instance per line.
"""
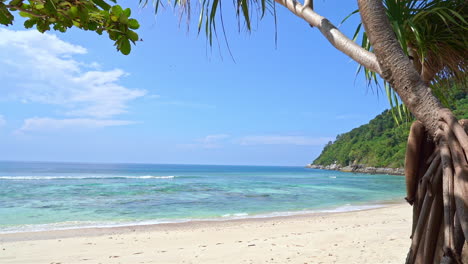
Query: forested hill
x=381 y=142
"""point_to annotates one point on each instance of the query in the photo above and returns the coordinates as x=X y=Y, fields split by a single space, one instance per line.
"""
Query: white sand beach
x=371 y=236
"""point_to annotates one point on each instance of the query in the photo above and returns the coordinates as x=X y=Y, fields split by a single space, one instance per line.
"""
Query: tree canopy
x=96 y=15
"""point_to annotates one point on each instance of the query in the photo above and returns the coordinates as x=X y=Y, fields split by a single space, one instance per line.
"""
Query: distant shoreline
x=359 y=169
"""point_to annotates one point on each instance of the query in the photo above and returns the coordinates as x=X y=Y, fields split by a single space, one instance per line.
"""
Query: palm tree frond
x=433 y=35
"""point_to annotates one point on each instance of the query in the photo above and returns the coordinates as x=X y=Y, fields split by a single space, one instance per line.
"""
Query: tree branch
x=397 y=69
x=25 y=11
x=334 y=36
x=309 y=3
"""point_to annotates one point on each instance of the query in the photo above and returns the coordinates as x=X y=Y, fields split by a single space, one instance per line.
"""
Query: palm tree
x=433 y=35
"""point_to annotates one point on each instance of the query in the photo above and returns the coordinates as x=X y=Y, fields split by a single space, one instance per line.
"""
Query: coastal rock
x=358 y=168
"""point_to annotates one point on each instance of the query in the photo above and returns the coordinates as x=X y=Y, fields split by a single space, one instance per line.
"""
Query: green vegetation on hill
x=381 y=142
x=460 y=108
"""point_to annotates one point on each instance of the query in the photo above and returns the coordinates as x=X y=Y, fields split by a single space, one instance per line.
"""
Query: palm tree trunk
x=433 y=190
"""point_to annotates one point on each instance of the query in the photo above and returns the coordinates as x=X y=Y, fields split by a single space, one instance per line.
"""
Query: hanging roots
x=437 y=187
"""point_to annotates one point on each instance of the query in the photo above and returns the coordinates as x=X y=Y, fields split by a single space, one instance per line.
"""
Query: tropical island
x=379 y=147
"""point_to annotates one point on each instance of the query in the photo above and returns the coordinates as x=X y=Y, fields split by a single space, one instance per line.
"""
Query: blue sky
x=72 y=97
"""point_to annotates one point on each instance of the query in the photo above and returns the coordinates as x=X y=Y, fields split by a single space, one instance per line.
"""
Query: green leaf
x=50 y=6
x=348 y=16
x=156 y=6
x=23 y=14
x=245 y=11
x=127 y=12
x=84 y=15
x=42 y=26
x=357 y=32
x=124 y=46
x=200 y=20
x=116 y=10
x=16 y=2
x=65 y=4
x=214 y=7
x=102 y=4
x=6 y=18
x=73 y=11
x=133 y=23
x=112 y=35
x=92 y=26
x=29 y=23
x=132 y=35
x=123 y=19
x=263 y=7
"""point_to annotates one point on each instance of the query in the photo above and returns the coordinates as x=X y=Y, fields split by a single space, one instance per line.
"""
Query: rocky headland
x=359 y=169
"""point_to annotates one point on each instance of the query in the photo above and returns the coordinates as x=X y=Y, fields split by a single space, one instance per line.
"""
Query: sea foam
x=235 y=216
x=82 y=177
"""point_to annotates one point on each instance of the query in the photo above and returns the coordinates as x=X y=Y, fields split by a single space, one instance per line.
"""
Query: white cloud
x=53 y=44
x=213 y=141
x=51 y=124
x=188 y=104
x=216 y=137
x=2 y=121
x=284 y=140
x=208 y=142
x=40 y=68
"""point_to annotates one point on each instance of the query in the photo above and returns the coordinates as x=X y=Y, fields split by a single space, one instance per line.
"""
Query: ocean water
x=43 y=196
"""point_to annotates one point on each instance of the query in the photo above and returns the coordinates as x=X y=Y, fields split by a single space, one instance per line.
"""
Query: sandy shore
x=371 y=236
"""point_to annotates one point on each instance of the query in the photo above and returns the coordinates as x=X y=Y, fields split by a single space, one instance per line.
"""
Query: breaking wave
x=83 y=177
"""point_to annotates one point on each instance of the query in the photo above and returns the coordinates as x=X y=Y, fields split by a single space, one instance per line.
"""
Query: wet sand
x=371 y=236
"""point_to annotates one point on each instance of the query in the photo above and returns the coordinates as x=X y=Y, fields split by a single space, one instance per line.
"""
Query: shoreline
x=196 y=223
x=347 y=208
x=379 y=235
x=359 y=169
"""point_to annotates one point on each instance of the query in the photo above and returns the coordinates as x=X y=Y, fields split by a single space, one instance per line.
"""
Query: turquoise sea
x=42 y=196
